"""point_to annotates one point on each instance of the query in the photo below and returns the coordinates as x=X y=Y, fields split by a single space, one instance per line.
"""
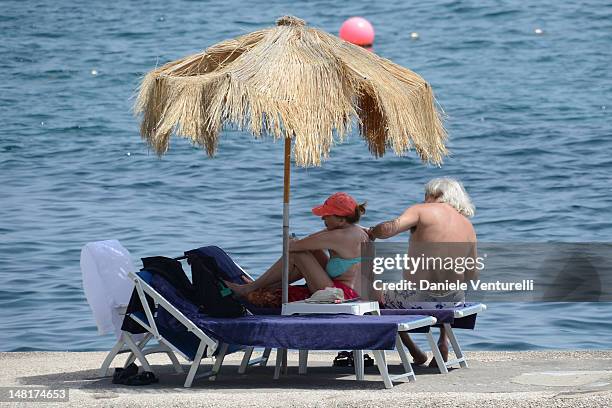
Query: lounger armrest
x=416 y=324
x=469 y=310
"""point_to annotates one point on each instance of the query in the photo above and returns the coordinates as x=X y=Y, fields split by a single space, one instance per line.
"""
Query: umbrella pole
x=287 y=182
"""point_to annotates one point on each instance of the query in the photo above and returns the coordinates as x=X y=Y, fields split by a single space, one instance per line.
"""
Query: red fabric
x=297 y=293
x=349 y=293
x=274 y=297
x=340 y=204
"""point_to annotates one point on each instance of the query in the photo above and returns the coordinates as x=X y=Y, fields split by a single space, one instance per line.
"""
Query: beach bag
x=215 y=298
x=172 y=271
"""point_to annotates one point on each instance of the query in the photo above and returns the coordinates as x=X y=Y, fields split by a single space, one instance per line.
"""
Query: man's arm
x=474 y=273
x=404 y=222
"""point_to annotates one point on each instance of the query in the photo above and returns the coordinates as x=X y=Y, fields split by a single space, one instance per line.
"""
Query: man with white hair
x=443 y=217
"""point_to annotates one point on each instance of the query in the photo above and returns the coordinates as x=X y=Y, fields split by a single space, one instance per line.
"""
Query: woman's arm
x=320 y=240
x=473 y=273
x=316 y=233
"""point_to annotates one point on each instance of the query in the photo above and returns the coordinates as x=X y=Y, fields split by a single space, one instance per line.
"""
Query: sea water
x=526 y=88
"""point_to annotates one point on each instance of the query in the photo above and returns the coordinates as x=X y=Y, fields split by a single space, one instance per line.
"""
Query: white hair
x=450 y=191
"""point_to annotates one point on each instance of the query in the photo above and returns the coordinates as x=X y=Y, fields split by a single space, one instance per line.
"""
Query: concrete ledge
x=497 y=379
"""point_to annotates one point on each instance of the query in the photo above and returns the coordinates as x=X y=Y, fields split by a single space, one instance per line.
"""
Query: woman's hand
x=292 y=241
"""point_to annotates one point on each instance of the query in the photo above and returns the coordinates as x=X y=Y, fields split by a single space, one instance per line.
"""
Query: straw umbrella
x=296 y=83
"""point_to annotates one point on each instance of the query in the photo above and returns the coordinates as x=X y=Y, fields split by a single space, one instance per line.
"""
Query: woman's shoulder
x=362 y=232
x=348 y=236
x=355 y=235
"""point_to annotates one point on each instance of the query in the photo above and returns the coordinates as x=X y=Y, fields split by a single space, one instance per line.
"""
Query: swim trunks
x=412 y=299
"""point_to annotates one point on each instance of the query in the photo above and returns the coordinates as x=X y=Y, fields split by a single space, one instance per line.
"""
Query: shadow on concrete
x=318 y=377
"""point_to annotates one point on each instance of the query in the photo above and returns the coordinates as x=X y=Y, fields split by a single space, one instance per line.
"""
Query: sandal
x=145 y=378
x=368 y=361
x=122 y=374
x=346 y=359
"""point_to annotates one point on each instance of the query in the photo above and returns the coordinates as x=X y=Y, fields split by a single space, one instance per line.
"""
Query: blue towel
x=442 y=315
x=220 y=262
x=312 y=332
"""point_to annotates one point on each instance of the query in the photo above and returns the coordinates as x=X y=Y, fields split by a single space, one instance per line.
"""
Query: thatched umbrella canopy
x=293 y=82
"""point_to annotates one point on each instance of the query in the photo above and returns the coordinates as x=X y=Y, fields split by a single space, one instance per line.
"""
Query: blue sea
x=529 y=117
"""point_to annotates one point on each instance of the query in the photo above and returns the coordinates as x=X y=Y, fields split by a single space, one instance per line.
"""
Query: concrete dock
x=495 y=379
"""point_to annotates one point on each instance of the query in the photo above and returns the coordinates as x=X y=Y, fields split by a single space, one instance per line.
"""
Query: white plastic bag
x=105 y=266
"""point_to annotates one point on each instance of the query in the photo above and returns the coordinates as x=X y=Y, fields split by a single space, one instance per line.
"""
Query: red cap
x=340 y=204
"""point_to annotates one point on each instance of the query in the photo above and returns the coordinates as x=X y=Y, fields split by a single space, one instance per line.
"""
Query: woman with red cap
x=342 y=238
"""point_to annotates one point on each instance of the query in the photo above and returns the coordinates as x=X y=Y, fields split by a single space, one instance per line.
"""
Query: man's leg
x=402 y=299
x=443 y=346
x=418 y=356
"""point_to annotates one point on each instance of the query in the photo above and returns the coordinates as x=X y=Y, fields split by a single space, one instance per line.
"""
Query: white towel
x=327 y=295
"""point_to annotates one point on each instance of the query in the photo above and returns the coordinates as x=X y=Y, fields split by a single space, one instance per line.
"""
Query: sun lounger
x=176 y=332
x=105 y=266
x=462 y=316
x=187 y=344
x=179 y=324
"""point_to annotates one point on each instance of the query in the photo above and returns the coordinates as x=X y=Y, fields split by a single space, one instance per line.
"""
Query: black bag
x=214 y=297
x=171 y=270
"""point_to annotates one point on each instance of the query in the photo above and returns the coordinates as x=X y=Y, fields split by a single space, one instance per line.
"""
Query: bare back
x=433 y=223
x=439 y=222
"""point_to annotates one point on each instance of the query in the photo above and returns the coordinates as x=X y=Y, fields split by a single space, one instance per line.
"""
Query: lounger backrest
x=185 y=339
x=105 y=266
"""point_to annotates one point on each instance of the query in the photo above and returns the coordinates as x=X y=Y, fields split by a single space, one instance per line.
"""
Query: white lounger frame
x=127 y=343
x=443 y=366
x=379 y=357
x=460 y=359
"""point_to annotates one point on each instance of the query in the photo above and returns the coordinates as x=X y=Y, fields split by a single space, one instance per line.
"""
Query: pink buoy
x=357 y=30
